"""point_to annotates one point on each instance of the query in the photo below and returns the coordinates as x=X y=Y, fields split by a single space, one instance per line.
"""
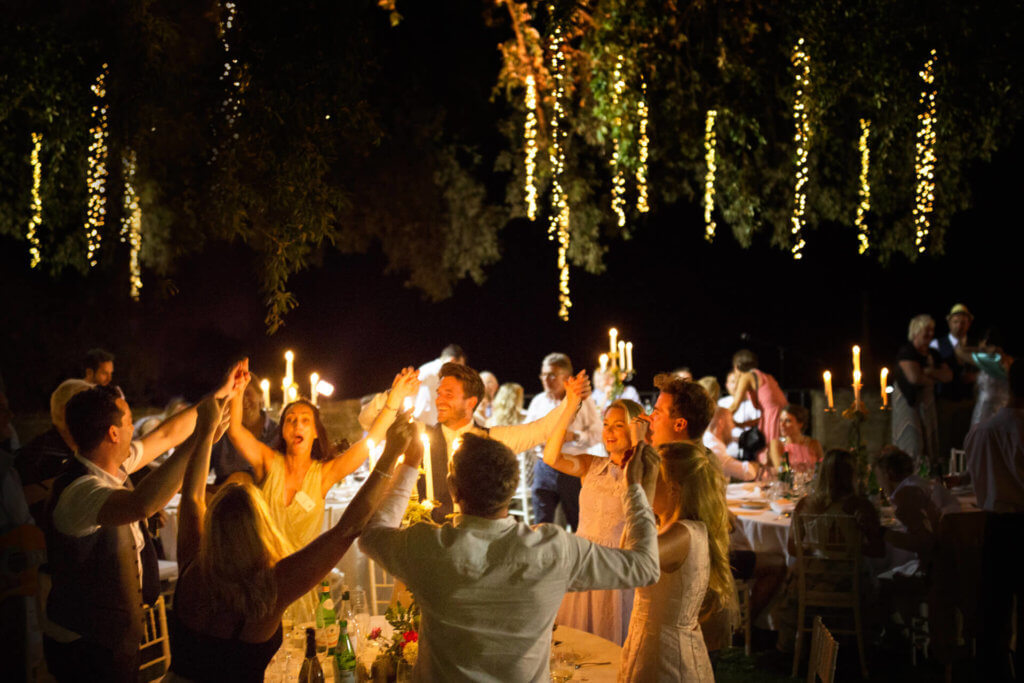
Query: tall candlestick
x=629 y=356
x=828 y=388
x=313 y=379
x=428 y=470
x=856 y=386
x=613 y=334
x=622 y=355
x=856 y=359
x=603 y=359
x=265 y=387
x=293 y=393
x=289 y=359
x=885 y=385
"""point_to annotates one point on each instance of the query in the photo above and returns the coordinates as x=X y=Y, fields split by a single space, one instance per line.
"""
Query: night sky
x=680 y=300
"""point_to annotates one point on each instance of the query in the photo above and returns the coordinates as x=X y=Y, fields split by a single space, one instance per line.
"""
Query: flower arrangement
x=404 y=645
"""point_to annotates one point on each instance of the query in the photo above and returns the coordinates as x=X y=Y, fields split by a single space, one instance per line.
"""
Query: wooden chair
x=828 y=552
x=957 y=460
x=824 y=651
x=156 y=643
x=743 y=591
x=521 y=501
x=380 y=583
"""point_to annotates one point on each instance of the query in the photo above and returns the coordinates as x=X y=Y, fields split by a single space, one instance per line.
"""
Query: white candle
x=324 y=388
x=313 y=379
x=612 y=336
x=265 y=387
x=629 y=356
x=428 y=470
x=293 y=393
x=856 y=386
x=885 y=385
x=289 y=359
x=622 y=355
x=603 y=358
x=828 y=388
x=856 y=361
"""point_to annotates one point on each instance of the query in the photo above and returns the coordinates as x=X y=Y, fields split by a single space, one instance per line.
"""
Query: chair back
x=957 y=460
x=521 y=500
x=824 y=652
x=156 y=643
x=828 y=552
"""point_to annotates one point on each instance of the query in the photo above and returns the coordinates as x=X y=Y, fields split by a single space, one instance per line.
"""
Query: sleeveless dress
x=665 y=642
x=298 y=524
x=770 y=399
x=801 y=456
x=199 y=658
x=915 y=422
x=606 y=612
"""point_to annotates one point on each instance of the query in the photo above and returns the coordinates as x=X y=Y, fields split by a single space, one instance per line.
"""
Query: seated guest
x=488 y=586
x=719 y=432
x=911 y=497
x=226 y=460
x=508 y=406
x=99 y=367
x=236 y=574
x=102 y=561
x=665 y=640
x=803 y=452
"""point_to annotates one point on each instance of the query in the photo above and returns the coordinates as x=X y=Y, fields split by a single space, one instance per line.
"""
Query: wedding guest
x=719 y=433
x=744 y=418
x=995 y=459
x=684 y=373
x=237 y=574
x=489 y=586
x=803 y=451
x=102 y=562
x=955 y=397
x=605 y=393
x=551 y=488
x=508 y=406
x=602 y=518
x=485 y=407
x=914 y=420
x=682 y=411
x=761 y=389
x=912 y=499
x=423 y=402
x=226 y=460
x=99 y=367
x=993 y=377
x=665 y=640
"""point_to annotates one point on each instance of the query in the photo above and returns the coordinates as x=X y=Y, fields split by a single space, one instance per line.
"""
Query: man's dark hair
x=94 y=358
x=558 y=360
x=896 y=464
x=744 y=360
x=90 y=413
x=451 y=352
x=1017 y=379
x=689 y=401
x=485 y=473
x=469 y=378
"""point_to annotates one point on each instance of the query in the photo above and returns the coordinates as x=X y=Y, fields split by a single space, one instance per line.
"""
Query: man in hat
x=955 y=398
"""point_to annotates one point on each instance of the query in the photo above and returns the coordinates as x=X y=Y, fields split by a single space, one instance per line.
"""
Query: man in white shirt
x=423 y=409
x=102 y=561
x=550 y=487
x=995 y=459
x=489 y=587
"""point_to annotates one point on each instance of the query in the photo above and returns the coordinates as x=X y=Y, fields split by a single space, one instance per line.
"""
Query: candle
x=856 y=386
x=828 y=388
x=427 y=466
x=622 y=355
x=369 y=450
x=603 y=358
x=313 y=379
x=293 y=393
x=612 y=336
x=885 y=385
x=289 y=358
x=324 y=388
x=265 y=387
x=856 y=362
x=629 y=356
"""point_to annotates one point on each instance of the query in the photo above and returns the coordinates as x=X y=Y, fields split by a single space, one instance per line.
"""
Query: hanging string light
x=131 y=223
x=641 y=171
x=37 y=203
x=96 y=173
x=865 y=185
x=559 y=219
x=710 y=142
x=924 y=158
x=802 y=63
x=618 y=178
x=530 y=138
x=230 y=105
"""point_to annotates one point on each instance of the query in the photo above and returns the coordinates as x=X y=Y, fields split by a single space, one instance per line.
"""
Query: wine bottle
x=311 y=671
x=326 y=621
x=344 y=658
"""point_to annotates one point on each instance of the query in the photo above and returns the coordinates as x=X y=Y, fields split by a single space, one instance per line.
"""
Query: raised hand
x=400 y=433
x=235 y=381
x=209 y=412
x=638 y=428
x=578 y=387
x=405 y=385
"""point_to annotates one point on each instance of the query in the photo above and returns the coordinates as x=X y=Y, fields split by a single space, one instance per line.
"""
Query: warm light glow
x=325 y=388
x=827 y=376
x=559 y=219
x=289 y=356
x=618 y=177
x=603 y=361
x=265 y=389
x=709 y=178
x=407 y=403
x=131 y=223
x=629 y=356
x=530 y=143
x=865 y=186
x=884 y=381
x=802 y=63
x=293 y=393
x=644 y=144
x=924 y=158
x=856 y=360
x=612 y=336
x=313 y=379
x=96 y=172
x=37 y=203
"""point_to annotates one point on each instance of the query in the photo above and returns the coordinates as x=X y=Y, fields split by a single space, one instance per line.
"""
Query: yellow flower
x=410 y=651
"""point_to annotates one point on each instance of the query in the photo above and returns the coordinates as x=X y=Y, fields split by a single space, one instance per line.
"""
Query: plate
x=782 y=506
x=754 y=505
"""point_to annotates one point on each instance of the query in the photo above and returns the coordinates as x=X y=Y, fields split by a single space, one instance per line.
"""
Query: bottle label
x=332 y=633
x=328 y=604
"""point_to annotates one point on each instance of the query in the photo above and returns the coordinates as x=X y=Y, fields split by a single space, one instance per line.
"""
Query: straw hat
x=959 y=309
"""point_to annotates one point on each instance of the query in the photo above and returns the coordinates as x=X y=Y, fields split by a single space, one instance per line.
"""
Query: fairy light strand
x=559 y=219
x=36 y=219
x=644 y=144
x=96 y=173
x=802 y=63
x=230 y=77
x=131 y=223
x=618 y=177
x=710 y=151
x=530 y=143
x=865 y=186
x=924 y=158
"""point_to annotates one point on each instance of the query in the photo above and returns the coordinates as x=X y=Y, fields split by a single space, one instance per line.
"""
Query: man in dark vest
x=955 y=399
x=102 y=561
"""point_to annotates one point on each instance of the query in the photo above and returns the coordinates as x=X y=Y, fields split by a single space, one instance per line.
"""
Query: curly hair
x=689 y=401
x=507 y=408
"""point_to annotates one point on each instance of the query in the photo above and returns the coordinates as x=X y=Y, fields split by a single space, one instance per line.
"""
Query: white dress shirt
x=747 y=412
x=995 y=458
x=489 y=589
x=952 y=340
x=587 y=424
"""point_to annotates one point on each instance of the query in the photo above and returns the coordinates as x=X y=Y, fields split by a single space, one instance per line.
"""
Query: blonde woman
x=665 y=641
x=915 y=424
x=237 y=574
x=507 y=408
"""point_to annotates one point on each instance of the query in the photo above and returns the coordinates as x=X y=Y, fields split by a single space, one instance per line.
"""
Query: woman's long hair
x=631 y=408
x=240 y=546
x=323 y=449
x=702 y=499
x=507 y=408
x=835 y=479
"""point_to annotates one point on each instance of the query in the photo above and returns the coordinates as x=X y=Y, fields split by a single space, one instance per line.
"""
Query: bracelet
x=387 y=407
x=380 y=472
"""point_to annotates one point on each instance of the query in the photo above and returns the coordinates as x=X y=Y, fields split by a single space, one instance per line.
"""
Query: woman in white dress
x=606 y=612
x=665 y=642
